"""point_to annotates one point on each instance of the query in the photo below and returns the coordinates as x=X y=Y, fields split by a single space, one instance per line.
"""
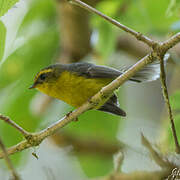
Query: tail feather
x=150 y=72
x=111 y=106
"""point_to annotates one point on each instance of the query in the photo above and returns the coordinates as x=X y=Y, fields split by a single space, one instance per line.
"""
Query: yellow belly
x=74 y=89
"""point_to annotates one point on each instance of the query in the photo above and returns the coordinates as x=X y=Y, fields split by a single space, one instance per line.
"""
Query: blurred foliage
x=41 y=49
x=148 y=16
x=175 y=102
x=5 y=5
x=2 y=40
x=18 y=70
x=95 y=124
x=173 y=8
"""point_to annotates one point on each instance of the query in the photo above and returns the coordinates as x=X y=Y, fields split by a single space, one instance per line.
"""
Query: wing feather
x=93 y=71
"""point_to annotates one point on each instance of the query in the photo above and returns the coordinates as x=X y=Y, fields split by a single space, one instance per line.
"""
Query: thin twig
x=8 y=161
x=118 y=161
x=13 y=124
x=166 y=98
x=87 y=145
x=138 y=35
x=163 y=163
x=166 y=45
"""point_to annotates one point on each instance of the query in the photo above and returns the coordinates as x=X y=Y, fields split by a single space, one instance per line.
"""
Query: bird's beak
x=32 y=87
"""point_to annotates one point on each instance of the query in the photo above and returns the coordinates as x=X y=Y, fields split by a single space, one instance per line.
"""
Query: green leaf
x=2 y=39
x=107 y=40
x=12 y=21
x=170 y=136
x=95 y=165
x=175 y=100
x=19 y=70
x=5 y=5
x=175 y=104
x=171 y=7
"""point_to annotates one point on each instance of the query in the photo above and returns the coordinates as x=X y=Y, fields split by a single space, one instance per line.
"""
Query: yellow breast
x=74 y=89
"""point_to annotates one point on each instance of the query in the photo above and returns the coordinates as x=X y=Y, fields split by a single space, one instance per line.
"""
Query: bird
x=76 y=83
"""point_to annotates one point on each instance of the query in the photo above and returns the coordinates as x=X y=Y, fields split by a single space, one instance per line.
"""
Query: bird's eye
x=43 y=77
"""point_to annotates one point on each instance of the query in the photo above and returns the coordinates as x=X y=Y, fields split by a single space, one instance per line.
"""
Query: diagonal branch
x=166 y=45
x=166 y=98
x=8 y=161
x=13 y=124
x=138 y=35
x=157 y=157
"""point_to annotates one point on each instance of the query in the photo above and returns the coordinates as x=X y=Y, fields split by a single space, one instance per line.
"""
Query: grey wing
x=150 y=72
x=93 y=71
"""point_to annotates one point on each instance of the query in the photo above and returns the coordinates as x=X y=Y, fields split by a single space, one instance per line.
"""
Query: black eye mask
x=42 y=77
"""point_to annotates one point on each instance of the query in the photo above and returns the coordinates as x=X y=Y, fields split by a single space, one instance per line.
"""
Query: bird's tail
x=113 y=109
x=111 y=106
x=150 y=72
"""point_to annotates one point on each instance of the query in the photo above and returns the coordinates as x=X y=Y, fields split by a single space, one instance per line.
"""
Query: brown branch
x=13 y=124
x=166 y=45
x=136 y=49
x=137 y=175
x=131 y=46
x=163 y=163
x=8 y=161
x=166 y=98
x=118 y=161
x=75 y=31
x=138 y=35
x=165 y=173
x=87 y=145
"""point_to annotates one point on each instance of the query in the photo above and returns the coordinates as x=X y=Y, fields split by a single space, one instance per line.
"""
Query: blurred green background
x=35 y=38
